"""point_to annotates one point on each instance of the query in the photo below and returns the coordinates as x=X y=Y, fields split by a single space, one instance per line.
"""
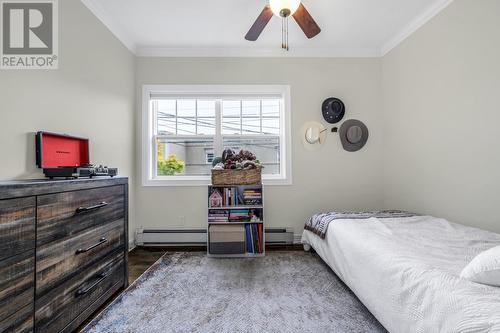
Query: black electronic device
x=79 y=172
x=64 y=156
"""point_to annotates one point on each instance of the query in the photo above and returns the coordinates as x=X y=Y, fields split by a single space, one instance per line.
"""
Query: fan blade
x=306 y=22
x=259 y=24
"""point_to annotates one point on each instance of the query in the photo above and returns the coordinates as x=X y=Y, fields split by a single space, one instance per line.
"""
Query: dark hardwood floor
x=141 y=258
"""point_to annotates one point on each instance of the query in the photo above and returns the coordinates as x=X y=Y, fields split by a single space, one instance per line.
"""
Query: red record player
x=61 y=155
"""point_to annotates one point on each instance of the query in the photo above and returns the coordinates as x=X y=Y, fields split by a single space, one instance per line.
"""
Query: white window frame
x=149 y=153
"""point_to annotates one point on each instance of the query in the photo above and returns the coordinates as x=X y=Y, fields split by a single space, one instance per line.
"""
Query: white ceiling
x=350 y=28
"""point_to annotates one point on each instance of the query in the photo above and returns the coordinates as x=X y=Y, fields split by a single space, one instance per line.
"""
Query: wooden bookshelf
x=236 y=221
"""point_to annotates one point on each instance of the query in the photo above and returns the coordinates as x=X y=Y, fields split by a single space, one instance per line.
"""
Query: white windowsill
x=205 y=181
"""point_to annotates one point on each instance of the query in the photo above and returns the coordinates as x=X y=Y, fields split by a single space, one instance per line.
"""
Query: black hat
x=333 y=110
x=353 y=135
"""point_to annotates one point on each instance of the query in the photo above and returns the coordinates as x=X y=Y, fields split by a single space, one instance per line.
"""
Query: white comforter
x=406 y=271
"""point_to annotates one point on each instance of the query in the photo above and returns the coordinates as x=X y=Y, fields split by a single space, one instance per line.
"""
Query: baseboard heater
x=198 y=237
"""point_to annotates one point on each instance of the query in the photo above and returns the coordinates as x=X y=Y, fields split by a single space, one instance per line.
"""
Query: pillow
x=484 y=268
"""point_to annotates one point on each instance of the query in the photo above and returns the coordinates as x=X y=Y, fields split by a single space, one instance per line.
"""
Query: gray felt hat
x=353 y=135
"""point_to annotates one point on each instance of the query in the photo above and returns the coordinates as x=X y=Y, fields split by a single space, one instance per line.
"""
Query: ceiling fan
x=284 y=9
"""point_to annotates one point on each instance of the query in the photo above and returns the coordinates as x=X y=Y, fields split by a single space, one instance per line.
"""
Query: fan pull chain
x=284 y=34
x=287 y=34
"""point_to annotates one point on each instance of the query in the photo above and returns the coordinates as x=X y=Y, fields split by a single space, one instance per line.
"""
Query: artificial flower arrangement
x=244 y=160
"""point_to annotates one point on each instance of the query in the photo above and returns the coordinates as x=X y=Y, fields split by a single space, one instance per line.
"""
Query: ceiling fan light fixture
x=284 y=8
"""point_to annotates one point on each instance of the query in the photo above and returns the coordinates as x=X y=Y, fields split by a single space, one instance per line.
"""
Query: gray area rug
x=281 y=292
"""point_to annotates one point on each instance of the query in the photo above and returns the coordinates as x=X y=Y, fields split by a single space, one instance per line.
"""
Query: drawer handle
x=100 y=277
x=80 y=210
x=101 y=241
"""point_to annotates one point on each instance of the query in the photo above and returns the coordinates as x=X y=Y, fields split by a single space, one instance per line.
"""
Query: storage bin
x=227 y=239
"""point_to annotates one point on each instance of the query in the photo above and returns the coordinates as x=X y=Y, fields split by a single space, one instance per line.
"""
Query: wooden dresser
x=63 y=251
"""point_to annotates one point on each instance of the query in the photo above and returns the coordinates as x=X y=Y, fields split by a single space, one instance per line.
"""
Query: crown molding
x=414 y=25
x=257 y=52
x=96 y=8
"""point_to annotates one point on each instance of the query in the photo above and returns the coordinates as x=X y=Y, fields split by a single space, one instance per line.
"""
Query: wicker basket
x=237 y=177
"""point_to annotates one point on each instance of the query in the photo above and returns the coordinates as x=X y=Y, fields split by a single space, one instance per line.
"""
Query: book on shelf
x=248 y=238
x=235 y=215
x=221 y=212
x=218 y=215
x=252 y=197
x=245 y=215
x=261 y=237
x=254 y=238
x=250 y=192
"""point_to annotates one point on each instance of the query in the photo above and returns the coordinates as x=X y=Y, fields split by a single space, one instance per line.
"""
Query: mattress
x=407 y=272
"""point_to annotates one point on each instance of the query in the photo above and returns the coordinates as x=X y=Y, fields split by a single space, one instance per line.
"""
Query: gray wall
x=442 y=140
x=430 y=105
x=328 y=179
x=90 y=95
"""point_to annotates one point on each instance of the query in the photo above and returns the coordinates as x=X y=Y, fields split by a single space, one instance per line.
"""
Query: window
x=185 y=127
x=209 y=157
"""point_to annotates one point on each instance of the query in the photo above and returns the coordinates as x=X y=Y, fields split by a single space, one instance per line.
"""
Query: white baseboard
x=297 y=239
x=197 y=237
x=131 y=244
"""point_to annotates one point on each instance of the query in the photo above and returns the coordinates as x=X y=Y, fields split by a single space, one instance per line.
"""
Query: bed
x=406 y=271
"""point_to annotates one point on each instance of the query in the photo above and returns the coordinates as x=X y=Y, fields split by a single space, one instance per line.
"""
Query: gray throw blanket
x=318 y=223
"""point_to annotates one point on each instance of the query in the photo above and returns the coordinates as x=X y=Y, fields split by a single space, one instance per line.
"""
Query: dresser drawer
x=59 y=261
x=17 y=226
x=65 y=214
x=20 y=322
x=16 y=283
x=61 y=305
